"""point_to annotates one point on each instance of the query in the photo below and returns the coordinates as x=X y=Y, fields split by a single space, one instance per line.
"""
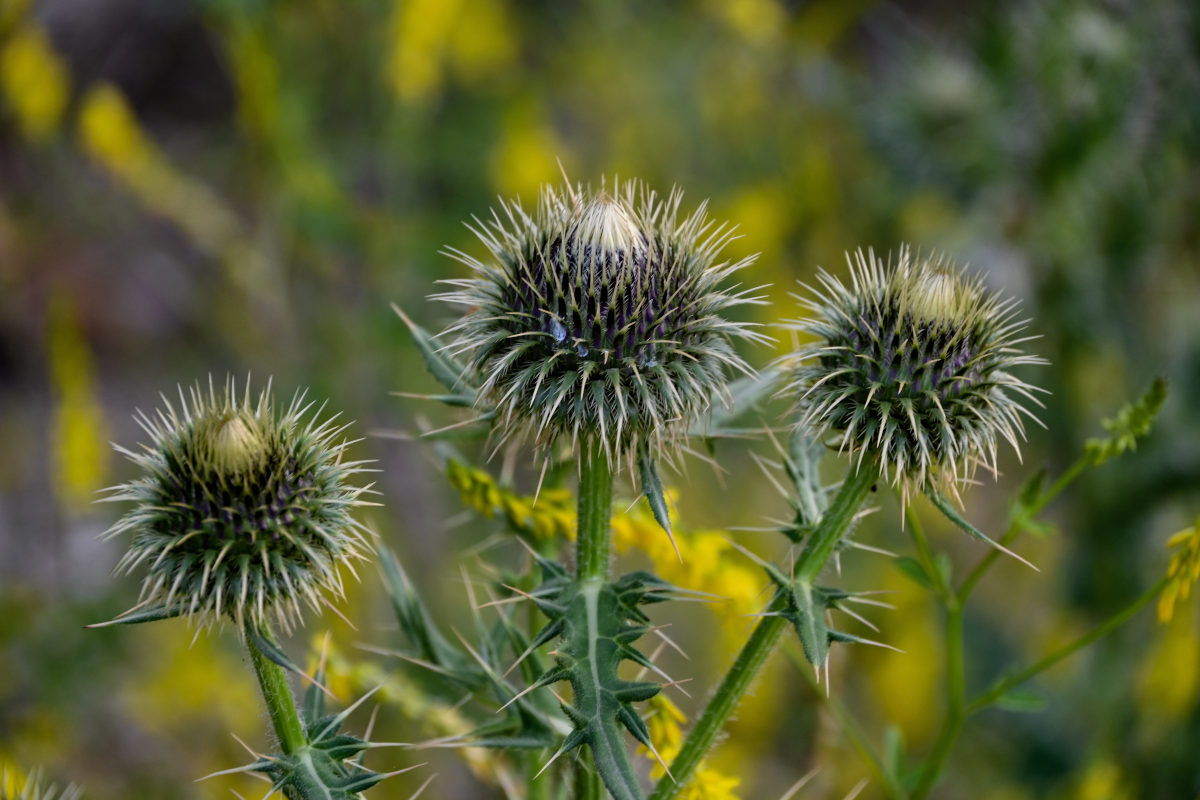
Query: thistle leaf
x=913 y=569
x=744 y=394
x=445 y=369
x=152 y=614
x=1021 y=701
x=263 y=640
x=951 y=514
x=652 y=488
x=802 y=462
x=599 y=623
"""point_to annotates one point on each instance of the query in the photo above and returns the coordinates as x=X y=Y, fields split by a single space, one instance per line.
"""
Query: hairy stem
x=278 y=696
x=594 y=538
x=819 y=548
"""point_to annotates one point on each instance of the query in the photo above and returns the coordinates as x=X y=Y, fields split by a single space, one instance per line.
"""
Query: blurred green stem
x=278 y=696
x=954 y=601
x=1014 y=679
x=846 y=721
x=819 y=547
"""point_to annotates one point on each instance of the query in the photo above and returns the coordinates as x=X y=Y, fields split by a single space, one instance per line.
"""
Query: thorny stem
x=762 y=641
x=594 y=538
x=281 y=706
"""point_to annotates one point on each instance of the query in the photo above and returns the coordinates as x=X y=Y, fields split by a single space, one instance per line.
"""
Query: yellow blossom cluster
x=34 y=82
x=706 y=561
x=665 y=722
x=552 y=516
x=1182 y=572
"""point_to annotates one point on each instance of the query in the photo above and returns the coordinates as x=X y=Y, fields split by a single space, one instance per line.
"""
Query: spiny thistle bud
x=242 y=511
x=599 y=316
x=911 y=367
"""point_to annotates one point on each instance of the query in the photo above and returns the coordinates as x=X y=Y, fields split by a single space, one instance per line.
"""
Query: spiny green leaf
x=418 y=626
x=599 y=623
x=152 y=614
x=744 y=394
x=802 y=462
x=263 y=640
x=445 y=369
x=652 y=488
x=951 y=514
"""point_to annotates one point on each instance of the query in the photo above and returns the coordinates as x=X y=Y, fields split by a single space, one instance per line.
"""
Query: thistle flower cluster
x=599 y=315
x=910 y=368
x=241 y=511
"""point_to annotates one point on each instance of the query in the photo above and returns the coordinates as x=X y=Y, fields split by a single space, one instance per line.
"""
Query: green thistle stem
x=594 y=538
x=766 y=634
x=278 y=697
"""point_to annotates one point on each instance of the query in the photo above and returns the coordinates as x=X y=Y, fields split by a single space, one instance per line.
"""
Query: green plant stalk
x=846 y=721
x=594 y=536
x=281 y=706
x=762 y=641
x=954 y=603
x=1014 y=529
x=952 y=722
x=537 y=789
x=588 y=785
x=1011 y=681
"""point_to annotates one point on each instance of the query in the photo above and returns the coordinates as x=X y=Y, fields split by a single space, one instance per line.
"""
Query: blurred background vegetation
x=244 y=186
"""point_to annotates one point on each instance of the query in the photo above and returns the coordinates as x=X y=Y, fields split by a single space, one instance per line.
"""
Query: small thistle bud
x=241 y=511
x=599 y=316
x=911 y=367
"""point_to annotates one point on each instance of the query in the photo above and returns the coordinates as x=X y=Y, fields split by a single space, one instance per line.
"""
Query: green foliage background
x=243 y=186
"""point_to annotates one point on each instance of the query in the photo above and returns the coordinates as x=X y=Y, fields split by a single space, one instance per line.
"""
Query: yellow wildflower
x=664 y=721
x=1183 y=571
x=79 y=438
x=110 y=133
x=552 y=516
x=34 y=81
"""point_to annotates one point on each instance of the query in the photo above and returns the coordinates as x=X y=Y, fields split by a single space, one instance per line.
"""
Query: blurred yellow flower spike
x=527 y=154
x=109 y=132
x=80 y=439
x=472 y=38
x=34 y=81
x=1182 y=572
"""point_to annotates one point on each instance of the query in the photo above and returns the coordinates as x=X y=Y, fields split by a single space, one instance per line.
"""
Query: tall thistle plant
x=244 y=513
x=595 y=331
x=596 y=327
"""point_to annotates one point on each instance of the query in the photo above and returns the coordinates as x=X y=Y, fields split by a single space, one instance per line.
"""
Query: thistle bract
x=911 y=366
x=599 y=315
x=242 y=510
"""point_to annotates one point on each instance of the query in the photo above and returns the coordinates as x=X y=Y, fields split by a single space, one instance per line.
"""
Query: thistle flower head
x=598 y=315
x=911 y=367
x=242 y=510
